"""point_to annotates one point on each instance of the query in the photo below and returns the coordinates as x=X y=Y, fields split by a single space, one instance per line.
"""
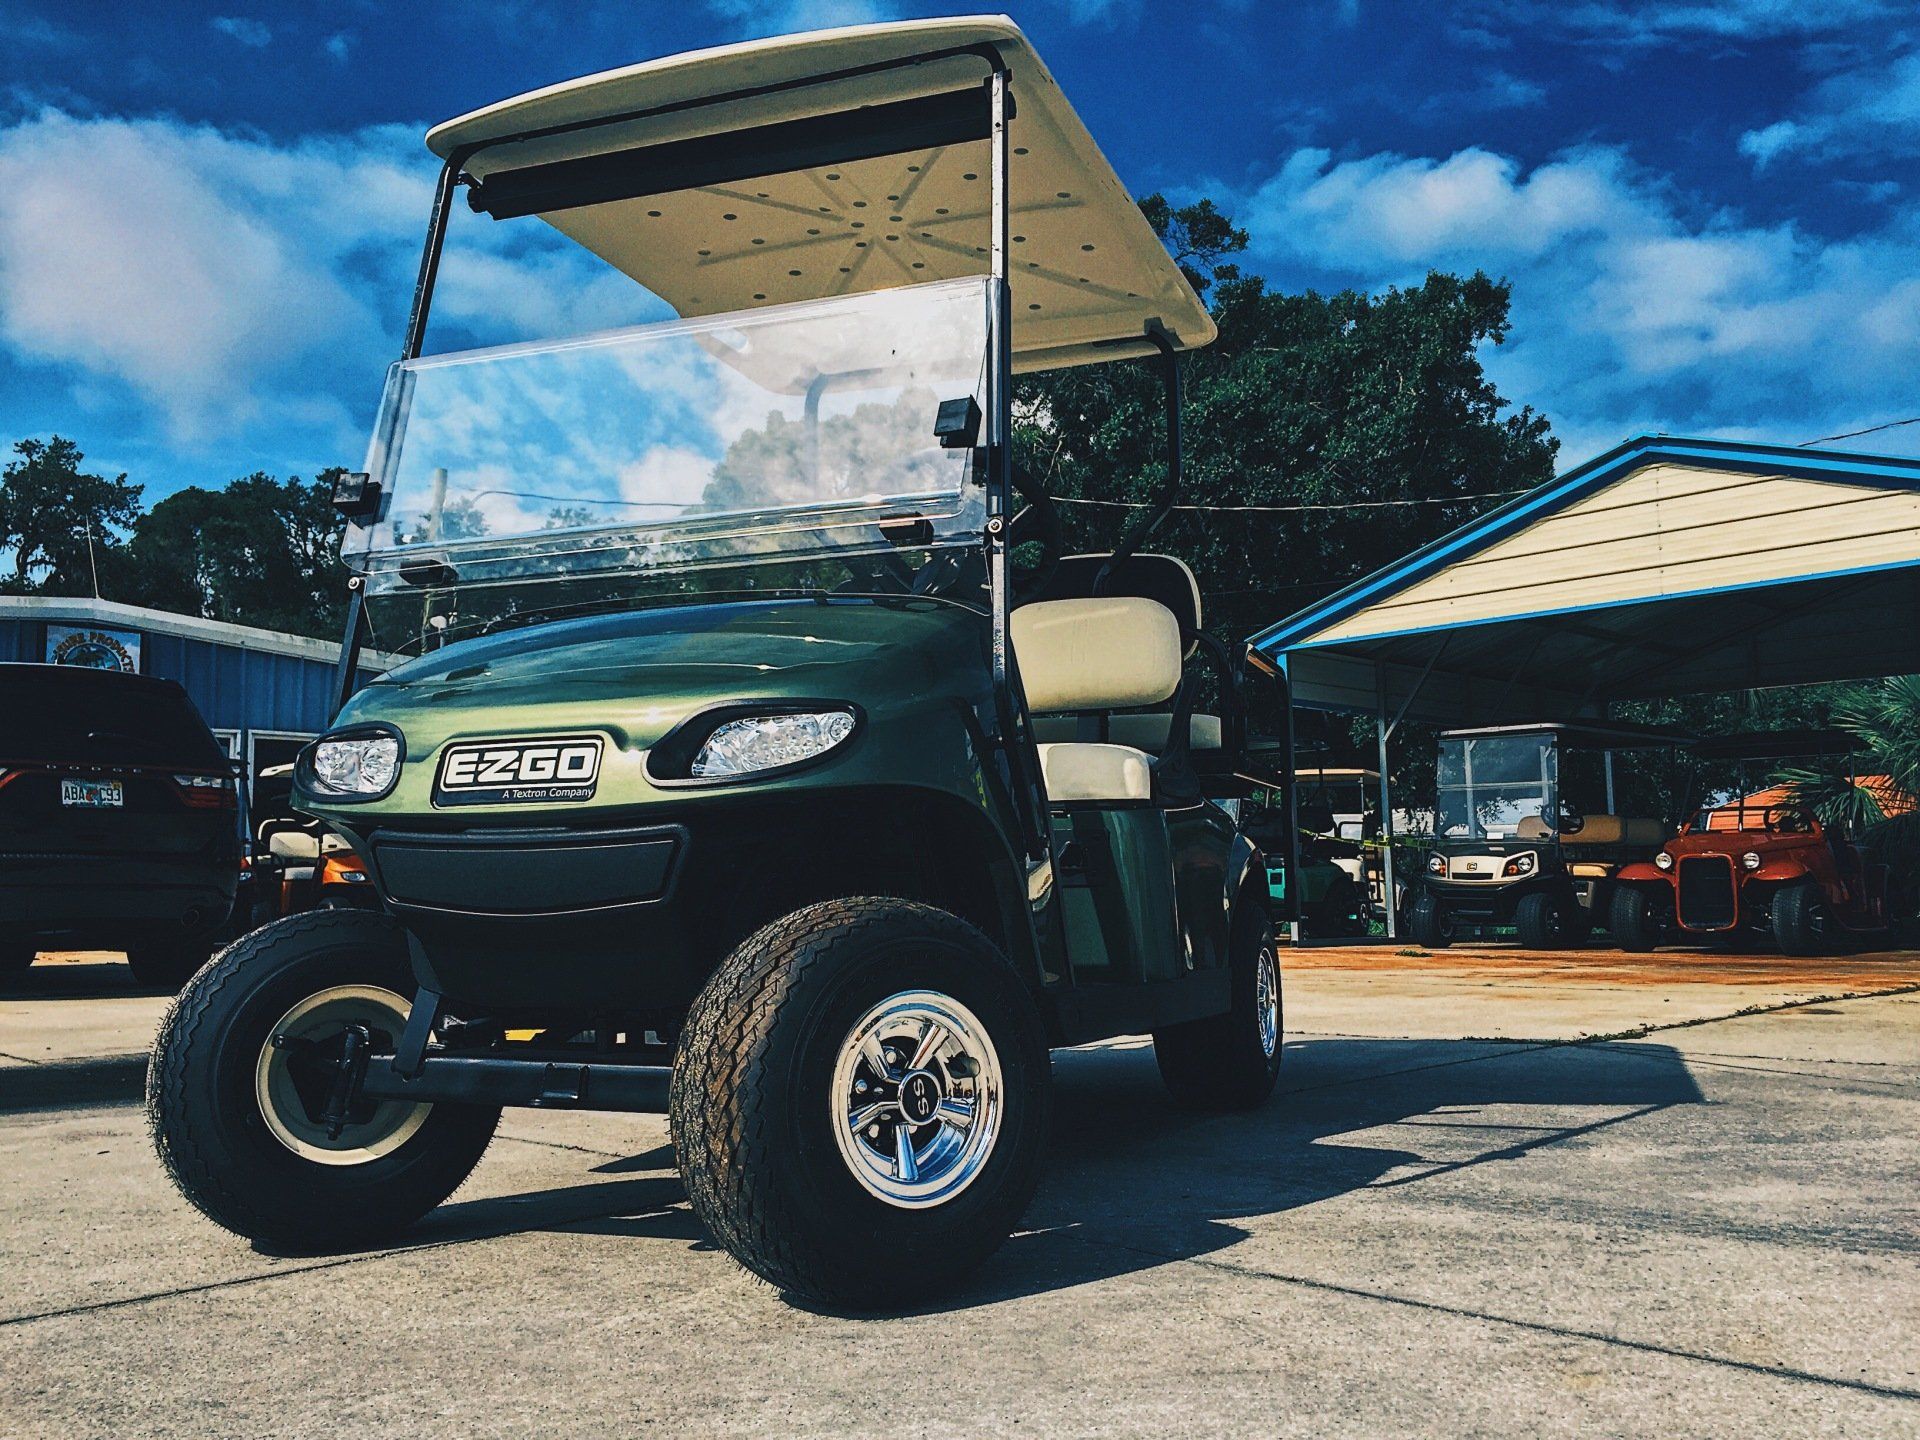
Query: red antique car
x=1762 y=865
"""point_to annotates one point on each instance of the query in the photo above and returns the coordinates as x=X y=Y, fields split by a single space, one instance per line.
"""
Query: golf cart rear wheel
x=859 y=1102
x=1802 y=923
x=1542 y=922
x=1428 y=922
x=1231 y=1061
x=242 y=1074
x=1633 y=921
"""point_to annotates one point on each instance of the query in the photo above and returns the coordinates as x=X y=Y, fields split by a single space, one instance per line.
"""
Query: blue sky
x=1710 y=212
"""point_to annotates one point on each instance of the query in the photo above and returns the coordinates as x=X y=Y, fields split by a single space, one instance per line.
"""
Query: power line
x=1291 y=509
x=1870 y=430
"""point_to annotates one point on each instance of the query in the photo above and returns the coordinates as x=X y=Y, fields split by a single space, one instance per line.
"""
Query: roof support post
x=1386 y=826
x=430 y=255
x=348 y=667
x=1022 y=761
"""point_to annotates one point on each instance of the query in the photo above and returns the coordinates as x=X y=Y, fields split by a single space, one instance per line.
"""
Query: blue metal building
x=263 y=692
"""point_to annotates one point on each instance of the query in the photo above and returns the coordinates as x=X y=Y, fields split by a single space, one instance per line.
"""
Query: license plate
x=563 y=767
x=92 y=794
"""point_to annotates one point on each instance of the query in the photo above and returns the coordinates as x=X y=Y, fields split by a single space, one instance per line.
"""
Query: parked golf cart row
x=1513 y=847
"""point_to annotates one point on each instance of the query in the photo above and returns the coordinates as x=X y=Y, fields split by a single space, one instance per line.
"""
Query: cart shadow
x=74 y=980
x=1134 y=1183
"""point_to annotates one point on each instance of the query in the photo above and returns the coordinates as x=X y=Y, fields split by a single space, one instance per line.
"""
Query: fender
x=1784 y=871
x=1642 y=872
x=1244 y=860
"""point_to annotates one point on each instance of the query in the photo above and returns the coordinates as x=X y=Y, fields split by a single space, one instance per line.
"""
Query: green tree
x=261 y=551
x=59 y=526
x=1304 y=400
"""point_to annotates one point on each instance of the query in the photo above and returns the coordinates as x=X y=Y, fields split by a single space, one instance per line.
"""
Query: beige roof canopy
x=1089 y=276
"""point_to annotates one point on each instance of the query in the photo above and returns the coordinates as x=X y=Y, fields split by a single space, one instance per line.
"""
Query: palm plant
x=1885 y=718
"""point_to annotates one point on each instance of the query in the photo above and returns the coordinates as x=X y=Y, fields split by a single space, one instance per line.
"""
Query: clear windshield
x=794 y=430
x=1498 y=787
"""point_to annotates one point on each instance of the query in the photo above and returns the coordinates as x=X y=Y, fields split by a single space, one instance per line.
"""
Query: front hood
x=1735 y=843
x=637 y=674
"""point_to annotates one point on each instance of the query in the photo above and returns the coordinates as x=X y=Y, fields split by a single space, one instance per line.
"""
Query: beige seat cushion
x=1081 y=772
x=1107 y=653
x=294 y=845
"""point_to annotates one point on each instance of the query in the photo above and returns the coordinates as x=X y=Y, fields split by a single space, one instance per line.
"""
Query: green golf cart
x=764 y=761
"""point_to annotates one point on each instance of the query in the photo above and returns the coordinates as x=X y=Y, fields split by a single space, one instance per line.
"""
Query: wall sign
x=94 y=649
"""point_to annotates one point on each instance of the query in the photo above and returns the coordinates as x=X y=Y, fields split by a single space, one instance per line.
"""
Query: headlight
x=364 y=765
x=1751 y=859
x=1663 y=860
x=1522 y=864
x=770 y=742
x=1437 y=864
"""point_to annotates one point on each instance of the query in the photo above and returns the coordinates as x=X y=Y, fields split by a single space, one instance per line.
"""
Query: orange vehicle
x=1759 y=865
x=294 y=862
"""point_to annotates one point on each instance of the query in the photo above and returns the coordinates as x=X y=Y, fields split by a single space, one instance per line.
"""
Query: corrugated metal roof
x=112 y=614
x=1666 y=566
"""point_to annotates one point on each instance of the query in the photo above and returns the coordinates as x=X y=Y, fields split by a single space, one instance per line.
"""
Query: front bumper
x=537 y=919
x=112 y=899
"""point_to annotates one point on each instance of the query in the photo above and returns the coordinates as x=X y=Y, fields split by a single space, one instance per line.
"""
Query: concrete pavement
x=1711 y=1229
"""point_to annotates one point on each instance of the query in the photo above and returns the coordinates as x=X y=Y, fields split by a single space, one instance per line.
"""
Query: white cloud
x=340 y=45
x=249 y=32
x=1629 y=312
x=192 y=266
x=226 y=284
x=1389 y=211
x=1871 y=110
x=1651 y=22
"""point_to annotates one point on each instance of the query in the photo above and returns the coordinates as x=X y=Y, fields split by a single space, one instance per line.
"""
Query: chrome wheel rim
x=289 y=1088
x=918 y=1099
x=1266 y=1001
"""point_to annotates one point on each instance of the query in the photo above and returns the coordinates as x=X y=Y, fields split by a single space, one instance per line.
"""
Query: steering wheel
x=1039 y=523
x=1790 y=820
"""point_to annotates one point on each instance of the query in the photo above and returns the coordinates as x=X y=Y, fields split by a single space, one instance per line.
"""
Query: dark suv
x=117 y=823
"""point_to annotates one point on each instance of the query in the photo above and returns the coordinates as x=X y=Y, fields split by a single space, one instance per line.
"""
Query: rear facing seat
x=1094 y=654
x=1145 y=731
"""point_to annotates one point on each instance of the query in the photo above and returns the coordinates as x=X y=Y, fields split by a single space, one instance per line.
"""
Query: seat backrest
x=1106 y=653
x=1165 y=578
x=294 y=845
x=1616 y=830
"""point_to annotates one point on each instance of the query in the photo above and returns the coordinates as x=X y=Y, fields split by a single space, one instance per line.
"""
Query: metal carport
x=1666 y=566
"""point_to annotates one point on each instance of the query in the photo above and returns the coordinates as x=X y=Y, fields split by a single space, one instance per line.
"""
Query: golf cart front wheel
x=1429 y=923
x=242 y=1097
x=1633 y=922
x=1230 y=1061
x=859 y=1102
x=1802 y=923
